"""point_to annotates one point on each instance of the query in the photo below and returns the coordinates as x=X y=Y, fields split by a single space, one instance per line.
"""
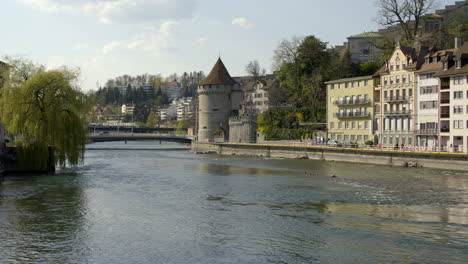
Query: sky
x=108 y=38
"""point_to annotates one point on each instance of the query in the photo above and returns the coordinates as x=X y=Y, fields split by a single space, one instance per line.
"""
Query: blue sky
x=107 y=38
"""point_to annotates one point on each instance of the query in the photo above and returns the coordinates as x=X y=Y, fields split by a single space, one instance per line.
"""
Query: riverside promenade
x=436 y=160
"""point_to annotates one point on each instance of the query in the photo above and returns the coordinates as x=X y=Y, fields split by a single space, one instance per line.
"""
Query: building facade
x=362 y=47
x=453 y=108
x=350 y=109
x=396 y=121
x=184 y=108
x=428 y=101
x=215 y=104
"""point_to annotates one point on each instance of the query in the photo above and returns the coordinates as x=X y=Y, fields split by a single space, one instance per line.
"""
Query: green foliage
x=369 y=67
x=180 y=127
x=152 y=120
x=369 y=142
x=47 y=109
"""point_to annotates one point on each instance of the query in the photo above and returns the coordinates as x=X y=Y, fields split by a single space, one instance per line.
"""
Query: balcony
x=445 y=101
x=444 y=115
x=445 y=86
x=352 y=102
x=405 y=132
x=396 y=99
x=431 y=131
x=444 y=130
x=352 y=115
x=399 y=113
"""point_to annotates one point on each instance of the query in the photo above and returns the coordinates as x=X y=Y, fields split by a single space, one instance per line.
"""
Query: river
x=138 y=206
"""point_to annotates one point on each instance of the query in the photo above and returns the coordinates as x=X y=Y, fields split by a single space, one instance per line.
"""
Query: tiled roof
x=218 y=75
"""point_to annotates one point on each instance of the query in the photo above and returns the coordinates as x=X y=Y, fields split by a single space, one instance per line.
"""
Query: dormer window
x=427 y=61
x=445 y=65
x=434 y=60
x=458 y=64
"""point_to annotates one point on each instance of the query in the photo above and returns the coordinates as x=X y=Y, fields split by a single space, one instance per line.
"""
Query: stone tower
x=215 y=106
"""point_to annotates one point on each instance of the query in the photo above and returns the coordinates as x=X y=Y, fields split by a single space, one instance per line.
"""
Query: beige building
x=396 y=119
x=259 y=92
x=350 y=109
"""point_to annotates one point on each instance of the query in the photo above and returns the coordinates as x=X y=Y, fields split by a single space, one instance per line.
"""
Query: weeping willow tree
x=45 y=108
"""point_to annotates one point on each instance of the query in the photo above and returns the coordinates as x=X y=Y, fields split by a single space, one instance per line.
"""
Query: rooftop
x=218 y=75
x=367 y=35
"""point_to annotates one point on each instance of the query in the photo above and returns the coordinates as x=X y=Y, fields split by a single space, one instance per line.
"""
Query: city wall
x=449 y=161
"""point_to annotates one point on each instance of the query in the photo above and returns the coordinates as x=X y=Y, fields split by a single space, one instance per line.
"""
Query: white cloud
x=127 y=11
x=201 y=41
x=155 y=41
x=243 y=22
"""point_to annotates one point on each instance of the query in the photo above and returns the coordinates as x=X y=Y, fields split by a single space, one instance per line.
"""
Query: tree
x=46 y=108
x=152 y=120
x=253 y=69
x=407 y=14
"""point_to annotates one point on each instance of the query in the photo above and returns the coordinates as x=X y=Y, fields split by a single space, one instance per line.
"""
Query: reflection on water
x=178 y=207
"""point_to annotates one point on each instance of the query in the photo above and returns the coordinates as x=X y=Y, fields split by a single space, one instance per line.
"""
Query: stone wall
x=242 y=130
x=448 y=161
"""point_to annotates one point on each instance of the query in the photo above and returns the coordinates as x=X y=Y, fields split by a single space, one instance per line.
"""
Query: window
x=403 y=78
x=428 y=89
x=391 y=79
x=366 y=124
x=445 y=65
x=458 y=64
x=346 y=138
x=391 y=66
x=359 y=138
x=353 y=125
x=397 y=79
x=332 y=125
x=457 y=124
x=339 y=137
x=385 y=80
x=340 y=125
x=353 y=137
x=347 y=125
x=410 y=92
x=458 y=95
x=428 y=105
x=458 y=109
x=346 y=85
x=458 y=80
x=366 y=138
x=366 y=82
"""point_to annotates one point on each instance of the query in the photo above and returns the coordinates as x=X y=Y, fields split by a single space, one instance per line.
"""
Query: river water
x=137 y=206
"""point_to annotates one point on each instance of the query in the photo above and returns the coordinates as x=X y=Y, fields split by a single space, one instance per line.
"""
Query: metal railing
x=352 y=114
x=397 y=98
x=352 y=102
x=398 y=113
x=431 y=131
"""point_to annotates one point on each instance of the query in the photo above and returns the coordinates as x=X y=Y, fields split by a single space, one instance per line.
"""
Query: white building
x=454 y=100
x=128 y=109
x=427 y=100
x=184 y=108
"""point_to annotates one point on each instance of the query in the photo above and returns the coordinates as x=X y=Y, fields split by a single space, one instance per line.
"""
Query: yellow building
x=350 y=109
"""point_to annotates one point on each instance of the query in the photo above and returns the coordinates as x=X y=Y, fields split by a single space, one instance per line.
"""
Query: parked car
x=103 y=133
x=332 y=143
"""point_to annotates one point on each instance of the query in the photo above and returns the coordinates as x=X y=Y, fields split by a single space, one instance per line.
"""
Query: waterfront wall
x=449 y=161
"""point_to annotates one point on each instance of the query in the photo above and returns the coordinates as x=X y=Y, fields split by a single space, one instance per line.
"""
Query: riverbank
x=436 y=160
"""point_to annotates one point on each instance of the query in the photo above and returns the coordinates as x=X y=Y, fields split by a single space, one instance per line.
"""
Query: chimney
x=458 y=42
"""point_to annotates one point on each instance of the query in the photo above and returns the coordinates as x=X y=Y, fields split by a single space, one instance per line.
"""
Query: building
x=396 y=121
x=215 y=103
x=128 y=109
x=350 y=109
x=184 y=108
x=427 y=99
x=362 y=47
x=454 y=100
x=259 y=91
x=172 y=89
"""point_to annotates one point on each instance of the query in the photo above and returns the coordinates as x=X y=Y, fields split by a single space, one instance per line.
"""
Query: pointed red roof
x=218 y=75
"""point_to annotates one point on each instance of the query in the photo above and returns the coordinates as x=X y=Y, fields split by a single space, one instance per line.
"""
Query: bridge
x=103 y=137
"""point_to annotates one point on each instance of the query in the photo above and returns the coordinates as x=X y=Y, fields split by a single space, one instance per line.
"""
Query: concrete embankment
x=449 y=161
